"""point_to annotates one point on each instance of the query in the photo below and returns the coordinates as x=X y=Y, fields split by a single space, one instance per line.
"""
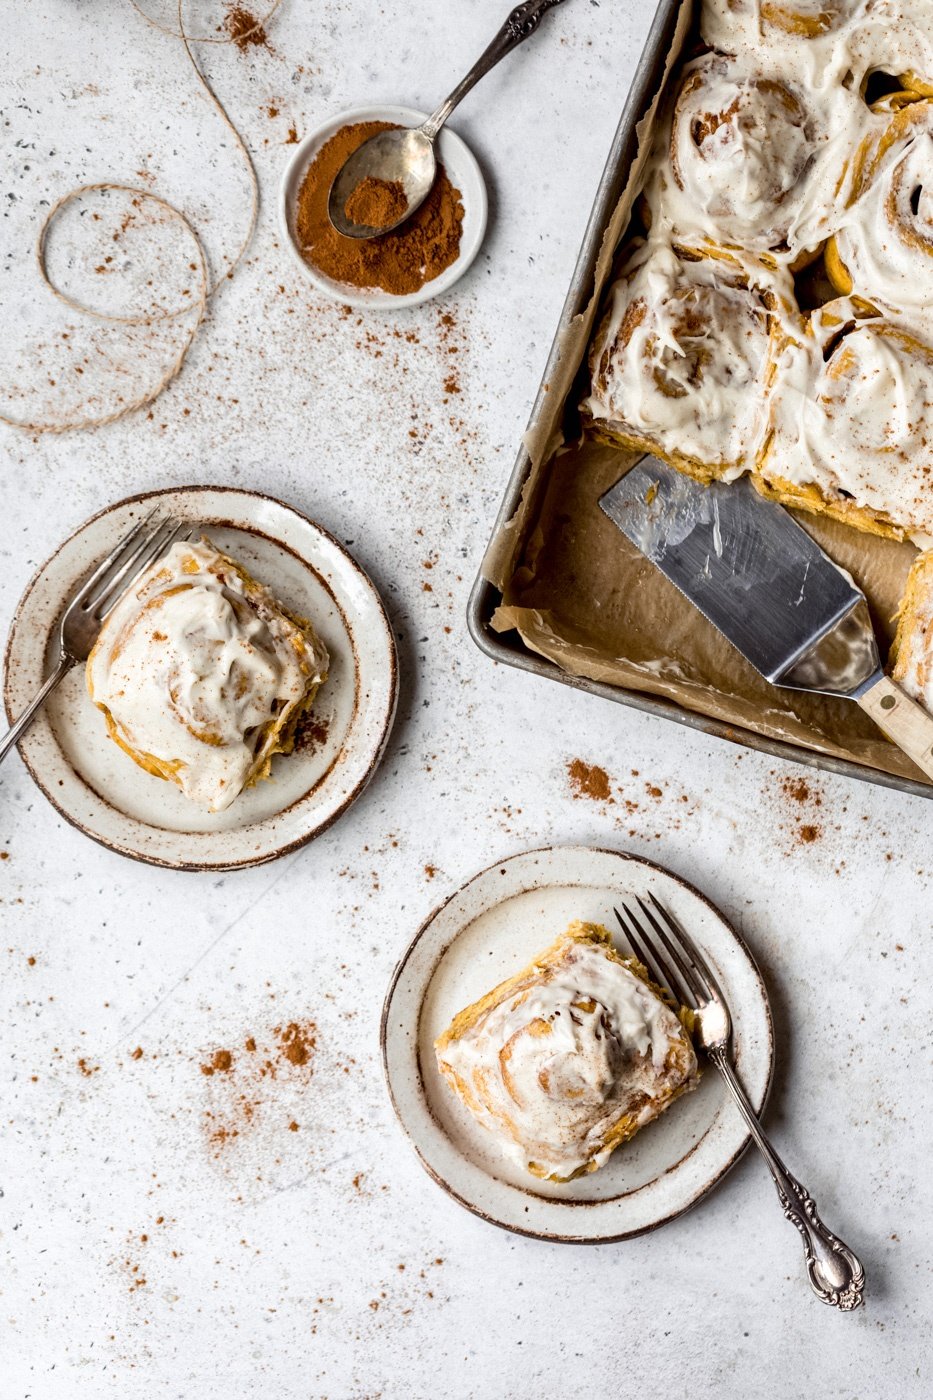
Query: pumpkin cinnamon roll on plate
x=681 y=362
x=202 y=675
x=569 y=1058
x=851 y=424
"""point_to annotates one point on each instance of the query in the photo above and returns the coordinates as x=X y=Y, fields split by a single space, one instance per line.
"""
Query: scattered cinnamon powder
x=137 y=1054
x=293 y=1126
x=87 y=1069
x=297 y=1041
x=809 y=833
x=588 y=780
x=377 y=203
x=311 y=733
x=398 y=263
x=220 y=1063
x=430 y=871
x=245 y=29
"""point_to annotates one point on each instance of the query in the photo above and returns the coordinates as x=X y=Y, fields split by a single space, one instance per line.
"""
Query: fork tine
x=642 y=953
x=117 y=583
x=116 y=555
x=661 y=969
x=691 y=949
x=690 y=974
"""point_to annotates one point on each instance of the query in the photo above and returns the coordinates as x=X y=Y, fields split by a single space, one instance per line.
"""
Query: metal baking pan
x=508 y=648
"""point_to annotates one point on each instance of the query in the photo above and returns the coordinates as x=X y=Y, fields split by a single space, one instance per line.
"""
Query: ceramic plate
x=100 y=790
x=486 y=932
x=462 y=167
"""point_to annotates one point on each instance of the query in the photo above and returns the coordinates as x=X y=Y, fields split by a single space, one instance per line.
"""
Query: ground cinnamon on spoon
x=400 y=262
x=377 y=203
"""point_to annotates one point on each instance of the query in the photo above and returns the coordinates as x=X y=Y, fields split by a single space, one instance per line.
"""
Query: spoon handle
x=520 y=25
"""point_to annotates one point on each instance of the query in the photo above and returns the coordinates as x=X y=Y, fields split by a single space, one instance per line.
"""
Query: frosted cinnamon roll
x=569 y=1058
x=741 y=144
x=681 y=362
x=753 y=158
x=883 y=250
x=851 y=430
x=895 y=37
x=731 y=24
x=912 y=652
x=202 y=675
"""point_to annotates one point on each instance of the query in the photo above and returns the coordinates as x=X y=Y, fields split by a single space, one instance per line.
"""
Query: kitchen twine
x=205 y=288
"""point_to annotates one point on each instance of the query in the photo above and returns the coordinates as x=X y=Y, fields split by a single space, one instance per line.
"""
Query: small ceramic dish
x=100 y=790
x=462 y=168
x=486 y=932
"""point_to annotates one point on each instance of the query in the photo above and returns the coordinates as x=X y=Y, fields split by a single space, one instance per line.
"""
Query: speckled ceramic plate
x=489 y=930
x=96 y=787
x=459 y=162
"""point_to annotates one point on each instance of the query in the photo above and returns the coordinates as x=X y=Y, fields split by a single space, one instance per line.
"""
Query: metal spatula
x=772 y=592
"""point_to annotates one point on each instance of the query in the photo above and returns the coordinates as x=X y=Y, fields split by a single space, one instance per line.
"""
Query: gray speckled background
x=164 y=1232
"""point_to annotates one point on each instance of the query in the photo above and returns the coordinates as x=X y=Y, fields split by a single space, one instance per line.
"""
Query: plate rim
x=548 y=1236
x=290 y=846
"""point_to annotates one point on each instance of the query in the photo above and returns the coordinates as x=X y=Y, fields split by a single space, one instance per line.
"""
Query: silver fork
x=676 y=963
x=85 y=614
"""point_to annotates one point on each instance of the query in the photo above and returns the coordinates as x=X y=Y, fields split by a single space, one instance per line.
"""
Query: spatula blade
x=743 y=561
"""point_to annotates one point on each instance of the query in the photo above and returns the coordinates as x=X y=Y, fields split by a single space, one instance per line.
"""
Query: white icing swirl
x=552 y=1068
x=741 y=143
x=885 y=240
x=853 y=414
x=682 y=357
x=199 y=672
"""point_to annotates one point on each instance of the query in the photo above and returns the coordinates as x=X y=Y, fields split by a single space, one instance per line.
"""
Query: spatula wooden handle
x=905 y=722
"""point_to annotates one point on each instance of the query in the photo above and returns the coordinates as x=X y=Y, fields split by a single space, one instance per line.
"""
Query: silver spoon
x=407 y=157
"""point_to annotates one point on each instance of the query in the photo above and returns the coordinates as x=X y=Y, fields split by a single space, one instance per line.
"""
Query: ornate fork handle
x=835 y=1272
x=520 y=25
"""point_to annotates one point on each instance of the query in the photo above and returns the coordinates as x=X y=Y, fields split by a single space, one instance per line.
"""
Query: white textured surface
x=277 y=1266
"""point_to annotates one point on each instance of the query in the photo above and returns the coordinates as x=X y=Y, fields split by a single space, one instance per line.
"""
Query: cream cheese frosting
x=201 y=674
x=682 y=358
x=771 y=148
x=553 y=1066
x=853 y=413
x=884 y=239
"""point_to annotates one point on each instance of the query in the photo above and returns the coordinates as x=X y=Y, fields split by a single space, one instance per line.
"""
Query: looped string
x=197 y=309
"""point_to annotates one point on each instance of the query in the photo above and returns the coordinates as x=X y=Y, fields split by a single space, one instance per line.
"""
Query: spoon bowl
x=404 y=157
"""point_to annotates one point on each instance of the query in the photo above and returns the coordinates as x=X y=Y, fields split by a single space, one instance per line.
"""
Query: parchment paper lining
x=578 y=593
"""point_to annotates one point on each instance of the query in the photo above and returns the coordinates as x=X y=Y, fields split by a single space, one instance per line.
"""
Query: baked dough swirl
x=883 y=250
x=741 y=145
x=852 y=423
x=202 y=675
x=682 y=359
x=570 y=1058
x=912 y=653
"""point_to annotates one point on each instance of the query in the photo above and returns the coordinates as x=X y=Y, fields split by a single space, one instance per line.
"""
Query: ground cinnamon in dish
x=377 y=203
x=398 y=263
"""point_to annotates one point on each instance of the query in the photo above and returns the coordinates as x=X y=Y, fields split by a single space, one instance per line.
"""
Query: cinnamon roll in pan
x=681 y=362
x=851 y=423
